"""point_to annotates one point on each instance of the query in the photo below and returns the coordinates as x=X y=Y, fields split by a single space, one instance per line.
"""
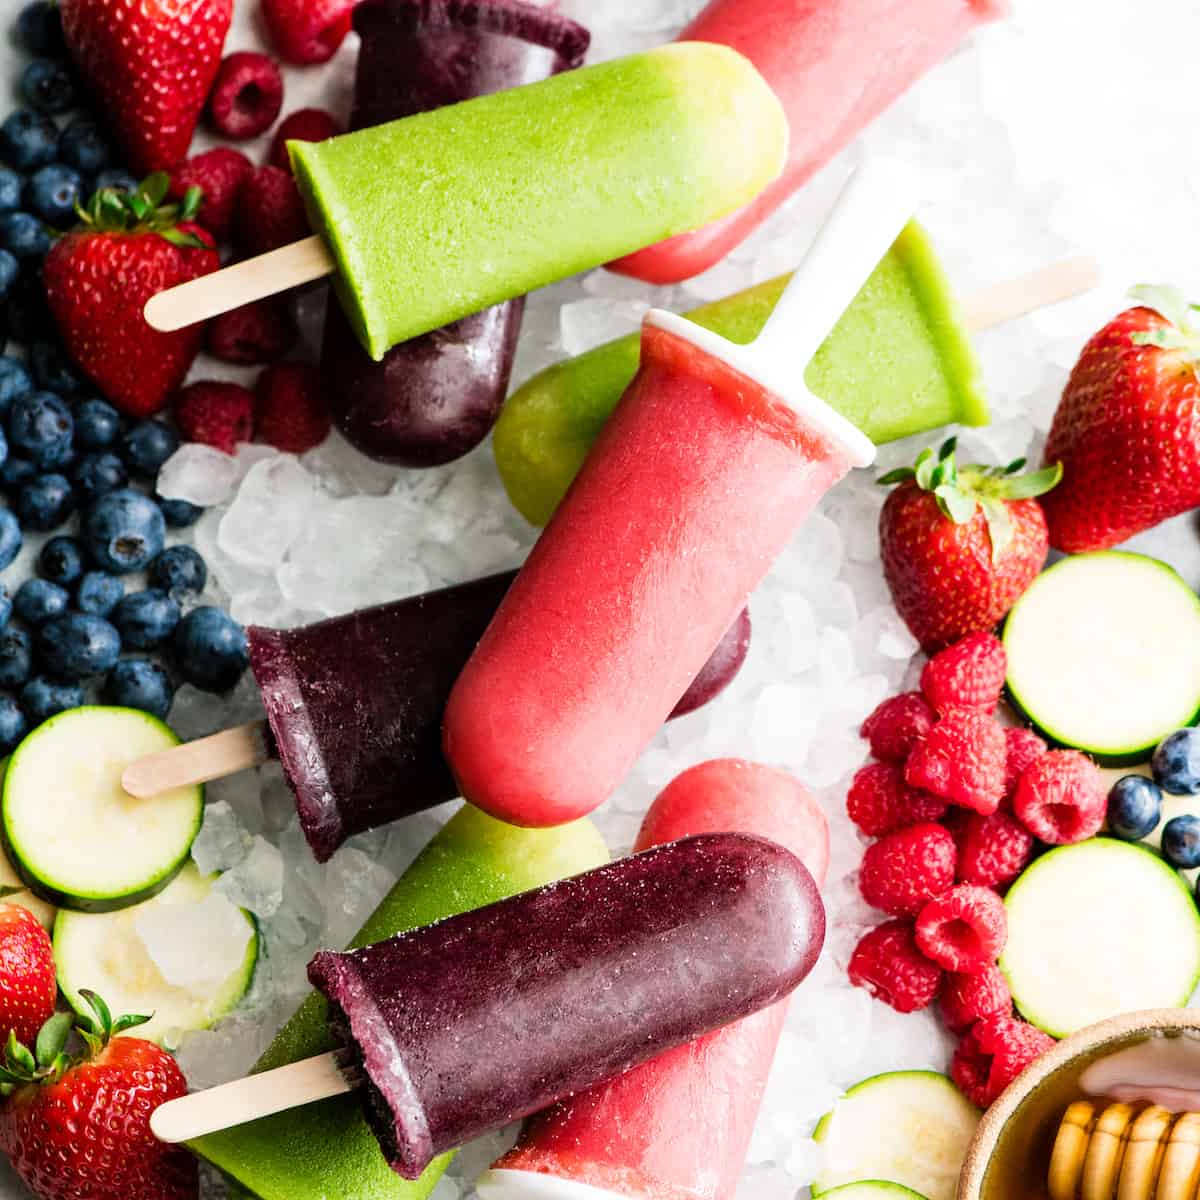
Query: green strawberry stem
x=961 y=492
x=114 y=210
x=1182 y=333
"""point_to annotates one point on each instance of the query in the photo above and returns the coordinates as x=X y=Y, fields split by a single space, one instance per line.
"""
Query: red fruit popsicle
x=835 y=67
x=461 y=1027
x=432 y=399
x=679 y=1125
x=695 y=485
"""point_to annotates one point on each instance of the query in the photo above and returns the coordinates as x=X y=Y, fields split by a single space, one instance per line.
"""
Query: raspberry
x=292 y=414
x=219 y=174
x=270 y=212
x=879 y=801
x=964 y=930
x=992 y=850
x=969 y=674
x=259 y=332
x=246 y=96
x=1024 y=748
x=307 y=31
x=304 y=125
x=966 y=999
x=215 y=414
x=897 y=725
x=993 y=1054
x=1061 y=798
x=962 y=759
x=888 y=964
x=904 y=870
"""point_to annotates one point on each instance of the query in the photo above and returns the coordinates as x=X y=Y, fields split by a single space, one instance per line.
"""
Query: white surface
x=1070 y=128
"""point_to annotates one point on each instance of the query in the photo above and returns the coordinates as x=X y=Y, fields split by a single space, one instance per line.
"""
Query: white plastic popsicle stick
x=874 y=206
x=201 y=761
x=230 y=288
x=534 y=1185
x=201 y=1113
x=1041 y=288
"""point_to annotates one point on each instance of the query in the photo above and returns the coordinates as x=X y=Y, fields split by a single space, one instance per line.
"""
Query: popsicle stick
x=1046 y=286
x=254 y=279
x=200 y=761
x=303 y=1082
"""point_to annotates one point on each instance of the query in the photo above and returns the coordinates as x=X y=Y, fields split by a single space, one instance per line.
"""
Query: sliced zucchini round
x=72 y=832
x=1096 y=929
x=873 y=1189
x=1104 y=654
x=910 y=1128
x=107 y=953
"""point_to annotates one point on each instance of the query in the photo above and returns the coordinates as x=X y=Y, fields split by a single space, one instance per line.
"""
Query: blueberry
x=13 y=726
x=148 y=445
x=61 y=560
x=38 y=601
x=26 y=311
x=23 y=235
x=178 y=514
x=78 y=646
x=14 y=382
x=48 y=87
x=16 y=657
x=97 y=424
x=28 y=140
x=84 y=146
x=3 y=449
x=6 y=606
x=97 y=473
x=210 y=648
x=45 y=502
x=179 y=569
x=10 y=270
x=39 y=28
x=1181 y=842
x=137 y=683
x=115 y=177
x=1134 y=807
x=53 y=192
x=11 y=539
x=123 y=531
x=146 y=619
x=98 y=593
x=42 y=698
x=1176 y=763
x=40 y=427
x=11 y=187
x=53 y=370
x=15 y=473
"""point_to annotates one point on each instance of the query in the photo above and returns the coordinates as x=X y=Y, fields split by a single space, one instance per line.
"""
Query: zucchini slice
x=72 y=833
x=107 y=952
x=872 y=1189
x=910 y=1128
x=1096 y=929
x=1104 y=654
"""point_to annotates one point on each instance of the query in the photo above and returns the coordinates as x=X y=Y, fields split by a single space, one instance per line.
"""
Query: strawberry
x=27 y=985
x=150 y=64
x=99 y=277
x=960 y=544
x=77 y=1126
x=1127 y=431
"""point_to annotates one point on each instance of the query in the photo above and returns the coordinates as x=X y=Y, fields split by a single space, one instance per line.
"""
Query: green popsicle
x=899 y=362
x=325 y=1151
x=445 y=213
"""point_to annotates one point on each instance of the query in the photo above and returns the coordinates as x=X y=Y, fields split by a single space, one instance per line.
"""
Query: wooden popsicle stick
x=200 y=761
x=299 y=1083
x=253 y=279
x=1046 y=286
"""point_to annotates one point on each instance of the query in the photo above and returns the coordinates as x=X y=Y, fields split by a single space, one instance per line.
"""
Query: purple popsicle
x=354 y=704
x=460 y=1027
x=432 y=399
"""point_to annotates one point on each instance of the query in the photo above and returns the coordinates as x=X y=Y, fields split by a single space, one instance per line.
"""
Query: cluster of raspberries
x=957 y=804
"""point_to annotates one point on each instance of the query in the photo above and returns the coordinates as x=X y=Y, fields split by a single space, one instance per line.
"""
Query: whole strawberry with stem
x=150 y=65
x=28 y=988
x=98 y=277
x=1127 y=430
x=960 y=544
x=76 y=1125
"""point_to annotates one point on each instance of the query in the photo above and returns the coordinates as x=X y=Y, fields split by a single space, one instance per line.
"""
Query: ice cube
x=270 y=510
x=198 y=474
x=256 y=883
x=596 y=320
x=193 y=945
x=222 y=842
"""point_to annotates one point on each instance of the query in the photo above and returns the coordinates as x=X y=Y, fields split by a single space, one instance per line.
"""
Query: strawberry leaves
x=114 y=210
x=1182 y=331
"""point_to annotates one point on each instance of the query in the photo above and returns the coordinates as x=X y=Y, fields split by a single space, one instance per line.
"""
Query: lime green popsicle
x=899 y=362
x=323 y=1151
x=442 y=214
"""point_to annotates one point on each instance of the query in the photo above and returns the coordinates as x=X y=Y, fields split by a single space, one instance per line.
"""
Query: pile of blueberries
x=68 y=456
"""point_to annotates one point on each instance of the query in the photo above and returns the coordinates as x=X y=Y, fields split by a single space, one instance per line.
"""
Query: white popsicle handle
x=201 y=761
x=248 y=1099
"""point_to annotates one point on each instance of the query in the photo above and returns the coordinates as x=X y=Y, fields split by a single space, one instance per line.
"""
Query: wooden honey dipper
x=1125 y=1151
